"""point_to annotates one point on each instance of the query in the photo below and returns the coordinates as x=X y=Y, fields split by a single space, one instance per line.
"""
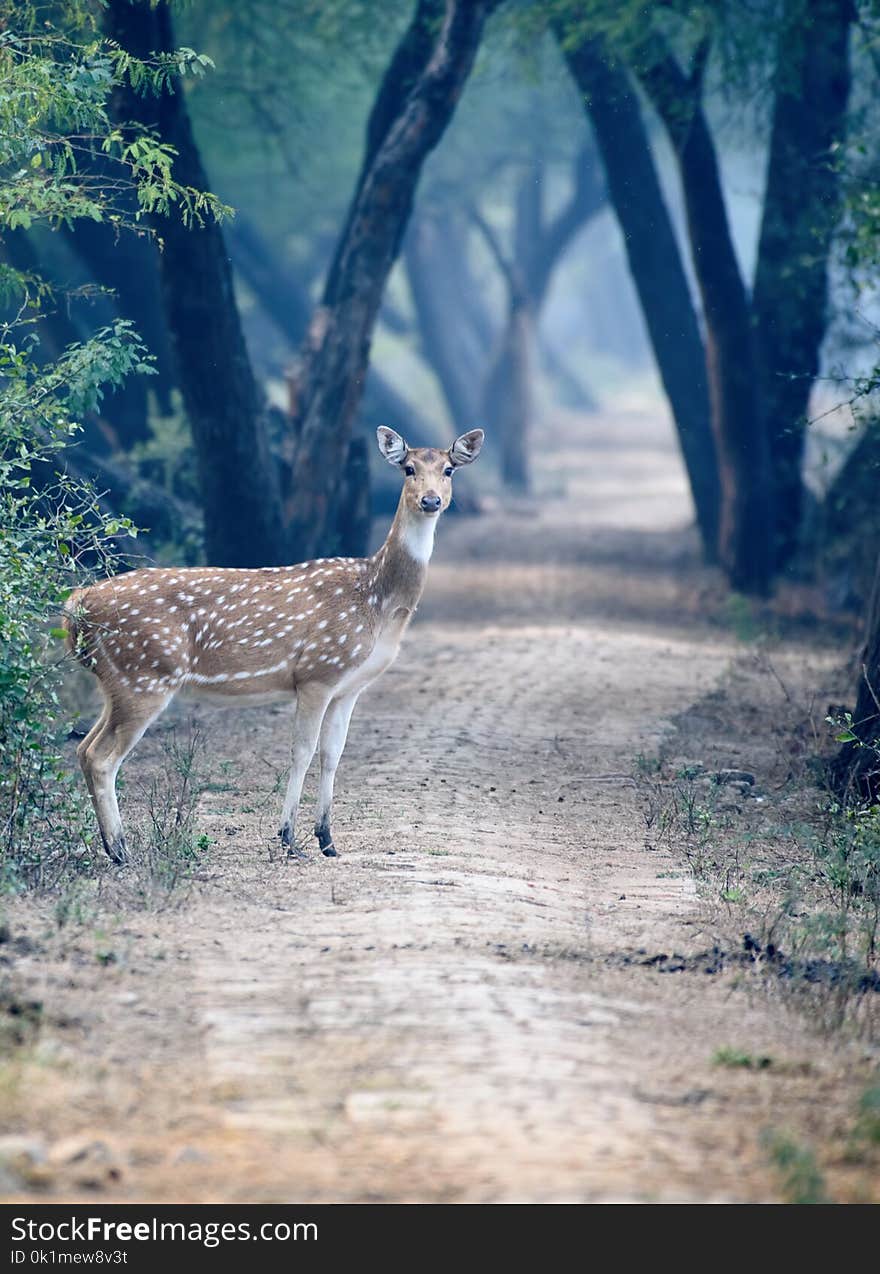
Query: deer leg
x=85 y=743
x=123 y=726
x=334 y=733
x=311 y=704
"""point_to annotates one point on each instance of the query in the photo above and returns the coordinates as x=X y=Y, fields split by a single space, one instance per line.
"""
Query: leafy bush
x=55 y=132
x=53 y=532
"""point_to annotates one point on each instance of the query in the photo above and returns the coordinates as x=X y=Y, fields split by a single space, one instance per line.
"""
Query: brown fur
x=318 y=631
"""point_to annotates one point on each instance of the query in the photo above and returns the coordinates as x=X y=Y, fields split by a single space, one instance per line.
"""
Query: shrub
x=53 y=533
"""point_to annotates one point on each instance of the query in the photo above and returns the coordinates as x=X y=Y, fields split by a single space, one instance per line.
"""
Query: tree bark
x=801 y=210
x=285 y=301
x=746 y=523
x=655 y=264
x=243 y=525
x=434 y=59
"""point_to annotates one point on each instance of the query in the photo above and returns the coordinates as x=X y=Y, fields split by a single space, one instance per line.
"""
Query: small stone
x=23 y=1160
x=191 y=1154
x=735 y=776
x=88 y=1161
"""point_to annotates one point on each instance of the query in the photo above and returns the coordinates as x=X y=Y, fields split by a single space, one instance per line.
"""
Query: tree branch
x=506 y=265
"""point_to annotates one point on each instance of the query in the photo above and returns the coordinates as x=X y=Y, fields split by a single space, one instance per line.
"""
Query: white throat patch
x=418 y=538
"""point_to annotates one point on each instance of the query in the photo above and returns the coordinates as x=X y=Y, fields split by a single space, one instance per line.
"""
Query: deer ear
x=466 y=448
x=391 y=445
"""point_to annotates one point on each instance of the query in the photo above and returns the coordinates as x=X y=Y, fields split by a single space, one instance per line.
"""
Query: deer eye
x=410 y=471
x=447 y=472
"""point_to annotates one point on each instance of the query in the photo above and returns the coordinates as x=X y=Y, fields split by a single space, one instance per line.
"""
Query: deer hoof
x=325 y=839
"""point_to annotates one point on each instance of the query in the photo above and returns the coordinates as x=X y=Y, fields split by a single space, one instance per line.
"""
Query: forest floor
x=470 y=1004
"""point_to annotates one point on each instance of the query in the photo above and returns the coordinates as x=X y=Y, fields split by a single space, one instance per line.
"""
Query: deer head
x=428 y=473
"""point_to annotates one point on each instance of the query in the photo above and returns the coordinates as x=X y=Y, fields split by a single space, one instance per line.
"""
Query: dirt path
x=442 y=1013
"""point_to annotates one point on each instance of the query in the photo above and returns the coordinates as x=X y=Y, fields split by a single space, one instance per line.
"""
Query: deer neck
x=402 y=561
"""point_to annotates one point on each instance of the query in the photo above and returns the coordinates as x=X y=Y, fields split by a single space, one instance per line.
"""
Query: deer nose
x=430 y=502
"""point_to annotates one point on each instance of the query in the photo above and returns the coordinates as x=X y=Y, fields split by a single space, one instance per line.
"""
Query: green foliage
x=171 y=850
x=847 y=857
x=61 y=159
x=735 y=1059
x=863 y=1142
x=52 y=527
x=814 y=896
x=272 y=61
x=740 y=615
x=55 y=85
x=684 y=812
x=801 y=1178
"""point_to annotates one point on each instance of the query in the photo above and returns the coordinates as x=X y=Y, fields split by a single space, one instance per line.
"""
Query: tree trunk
x=354 y=507
x=656 y=267
x=509 y=395
x=440 y=329
x=415 y=103
x=243 y=525
x=128 y=265
x=841 y=534
x=801 y=209
x=540 y=244
x=855 y=771
x=285 y=301
x=746 y=524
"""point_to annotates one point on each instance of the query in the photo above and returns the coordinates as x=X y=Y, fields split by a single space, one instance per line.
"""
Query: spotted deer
x=318 y=633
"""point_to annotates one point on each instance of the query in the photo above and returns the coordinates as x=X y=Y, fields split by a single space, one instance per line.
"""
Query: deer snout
x=430 y=502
